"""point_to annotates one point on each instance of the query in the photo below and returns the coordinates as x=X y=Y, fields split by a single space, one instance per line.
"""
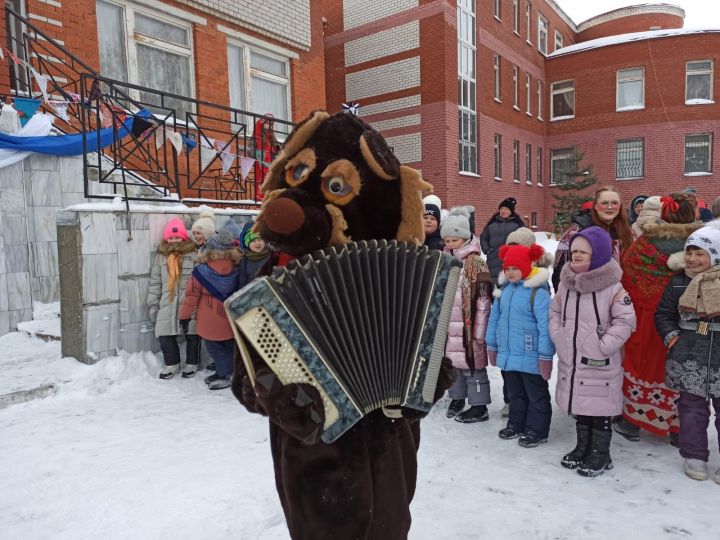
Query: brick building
x=489 y=97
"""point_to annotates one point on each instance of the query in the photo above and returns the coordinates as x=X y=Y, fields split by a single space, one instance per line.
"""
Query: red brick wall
x=633 y=23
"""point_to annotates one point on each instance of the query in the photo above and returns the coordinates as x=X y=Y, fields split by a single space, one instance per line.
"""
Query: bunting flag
x=140 y=126
x=60 y=108
x=246 y=164
x=190 y=143
x=207 y=155
x=160 y=137
x=95 y=92
x=176 y=140
x=207 y=142
x=2 y=54
x=75 y=97
x=27 y=108
x=42 y=83
x=220 y=146
x=227 y=160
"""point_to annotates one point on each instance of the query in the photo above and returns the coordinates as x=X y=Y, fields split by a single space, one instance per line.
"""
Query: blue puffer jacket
x=518 y=333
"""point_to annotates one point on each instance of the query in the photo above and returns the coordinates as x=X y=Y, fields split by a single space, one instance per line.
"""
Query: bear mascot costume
x=336 y=181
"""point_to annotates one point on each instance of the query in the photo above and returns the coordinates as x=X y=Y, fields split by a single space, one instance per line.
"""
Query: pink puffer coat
x=589 y=380
x=454 y=348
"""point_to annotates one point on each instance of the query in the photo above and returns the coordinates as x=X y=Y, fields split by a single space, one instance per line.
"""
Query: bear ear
x=378 y=156
x=412 y=185
x=297 y=139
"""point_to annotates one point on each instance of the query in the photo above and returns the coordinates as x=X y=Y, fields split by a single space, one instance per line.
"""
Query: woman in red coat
x=647 y=266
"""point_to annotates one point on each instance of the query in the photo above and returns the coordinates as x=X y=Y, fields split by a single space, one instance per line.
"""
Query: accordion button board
x=365 y=323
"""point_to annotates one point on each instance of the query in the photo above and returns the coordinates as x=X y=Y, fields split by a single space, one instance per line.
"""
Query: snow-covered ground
x=118 y=454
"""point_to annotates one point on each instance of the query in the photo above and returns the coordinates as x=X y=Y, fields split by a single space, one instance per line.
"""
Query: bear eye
x=337 y=190
x=297 y=174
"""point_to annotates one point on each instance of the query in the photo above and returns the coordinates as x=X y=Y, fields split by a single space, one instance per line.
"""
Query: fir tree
x=573 y=181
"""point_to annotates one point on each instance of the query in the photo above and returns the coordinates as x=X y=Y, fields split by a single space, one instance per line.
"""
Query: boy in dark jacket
x=688 y=321
x=256 y=255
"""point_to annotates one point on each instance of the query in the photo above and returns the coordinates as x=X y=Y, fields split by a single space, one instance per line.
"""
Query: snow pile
x=46 y=320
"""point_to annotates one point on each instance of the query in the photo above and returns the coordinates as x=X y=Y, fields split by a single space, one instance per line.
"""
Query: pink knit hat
x=175 y=229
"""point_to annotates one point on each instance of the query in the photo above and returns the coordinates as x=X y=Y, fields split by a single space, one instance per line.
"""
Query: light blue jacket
x=518 y=333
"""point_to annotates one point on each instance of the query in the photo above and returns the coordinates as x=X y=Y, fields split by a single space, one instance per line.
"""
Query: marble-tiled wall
x=113 y=272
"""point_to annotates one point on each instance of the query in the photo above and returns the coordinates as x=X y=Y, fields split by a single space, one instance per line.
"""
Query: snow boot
x=630 y=431
x=696 y=469
x=505 y=410
x=210 y=367
x=220 y=383
x=598 y=460
x=528 y=440
x=456 y=405
x=168 y=372
x=716 y=477
x=573 y=459
x=211 y=378
x=508 y=433
x=476 y=413
x=189 y=371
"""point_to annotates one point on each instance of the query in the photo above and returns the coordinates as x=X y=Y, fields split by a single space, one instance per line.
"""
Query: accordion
x=365 y=323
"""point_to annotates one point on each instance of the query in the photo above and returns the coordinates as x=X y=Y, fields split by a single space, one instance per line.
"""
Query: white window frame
x=710 y=155
x=249 y=72
x=700 y=72
x=497 y=148
x=516 y=17
x=542 y=21
x=617 y=156
x=558 y=40
x=528 y=98
x=539 y=100
x=496 y=80
x=496 y=9
x=467 y=78
x=567 y=152
x=533 y=220
x=516 y=96
x=628 y=79
x=129 y=11
x=528 y=164
x=554 y=118
x=539 y=166
x=528 y=23
x=516 y=161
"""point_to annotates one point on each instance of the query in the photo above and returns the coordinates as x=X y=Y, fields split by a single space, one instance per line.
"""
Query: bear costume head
x=335 y=181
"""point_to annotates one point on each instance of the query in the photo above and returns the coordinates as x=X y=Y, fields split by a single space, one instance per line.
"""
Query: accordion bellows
x=365 y=323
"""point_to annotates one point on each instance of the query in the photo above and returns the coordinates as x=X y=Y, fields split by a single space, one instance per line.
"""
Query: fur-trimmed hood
x=208 y=255
x=186 y=246
x=595 y=280
x=538 y=278
x=545 y=261
x=670 y=239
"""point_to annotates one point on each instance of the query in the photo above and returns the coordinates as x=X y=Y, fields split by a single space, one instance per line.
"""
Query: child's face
x=453 y=242
x=198 y=237
x=257 y=245
x=174 y=240
x=696 y=260
x=581 y=257
x=513 y=274
x=430 y=224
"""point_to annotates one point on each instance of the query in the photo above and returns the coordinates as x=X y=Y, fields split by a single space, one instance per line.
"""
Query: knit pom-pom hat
x=175 y=229
x=521 y=257
x=457 y=224
x=708 y=239
x=433 y=207
x=522 y=236
x=205 y=223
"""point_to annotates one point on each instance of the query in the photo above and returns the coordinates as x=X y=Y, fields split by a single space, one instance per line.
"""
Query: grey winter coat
x=158 y=292
x=493 y=236
x=693 y=363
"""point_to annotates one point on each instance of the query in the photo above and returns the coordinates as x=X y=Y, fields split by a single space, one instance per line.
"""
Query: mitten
x=296 y=408
x=492 y=357
x=184 y=326
x=545 y=366
x=153 y=313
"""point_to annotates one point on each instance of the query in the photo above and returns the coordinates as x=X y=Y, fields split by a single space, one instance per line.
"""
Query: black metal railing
x=189 y=150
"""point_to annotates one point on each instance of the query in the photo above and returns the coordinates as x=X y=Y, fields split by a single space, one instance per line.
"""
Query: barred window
x=561 y=162
x=629 y=158
x=698 y=154
x=698 y=82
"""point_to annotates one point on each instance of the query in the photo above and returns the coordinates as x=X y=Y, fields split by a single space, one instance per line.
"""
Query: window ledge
x=540 y=119
x=630 y=108
x=498 y=19
x=539 y=184
x=498 y=179
x=529 y=42
x=497 y=100
x=516 y=181
x=698 y=174
x=558 y=118
x=529 y=114
x=516 y=108
x=468 y=173
x=630 y=178
x=528 y=182
x=516 y=33
x=699 y=102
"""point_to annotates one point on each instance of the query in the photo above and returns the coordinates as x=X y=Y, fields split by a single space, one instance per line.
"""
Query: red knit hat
x=175 y=229
x=520 y=257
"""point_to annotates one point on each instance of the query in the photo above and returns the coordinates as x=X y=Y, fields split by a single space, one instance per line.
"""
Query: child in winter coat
x=213 y=280
x=518 y=343
x=688 y=319
x=255 y=255
x=468 y=321
x=170 y=271
x=204 y=228
x=591 y=318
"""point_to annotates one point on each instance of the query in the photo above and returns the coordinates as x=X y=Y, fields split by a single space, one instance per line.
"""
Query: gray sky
x=698 y=13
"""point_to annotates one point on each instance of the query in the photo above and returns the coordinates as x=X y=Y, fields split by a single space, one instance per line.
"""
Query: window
x=558 y=40
x=533 y=220
x=515 y=88
x=698 y=82
x=528 y=23
x=528 y=163
x=467 y=117
x=629 y=158
x=540 y=99
x=539 y=173
x=140 y=47
x=563 y=100
x=527 y=95
x=698 y=154
x=516 y=161
x=516 y=17
x=562 y=161
x=542 y=34
x=259 y=81
x=498 y=157
x=496 y=70
x=496 y=8
x=630 y=89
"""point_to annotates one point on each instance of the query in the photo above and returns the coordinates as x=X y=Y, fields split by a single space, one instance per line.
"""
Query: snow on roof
x=626 y=38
